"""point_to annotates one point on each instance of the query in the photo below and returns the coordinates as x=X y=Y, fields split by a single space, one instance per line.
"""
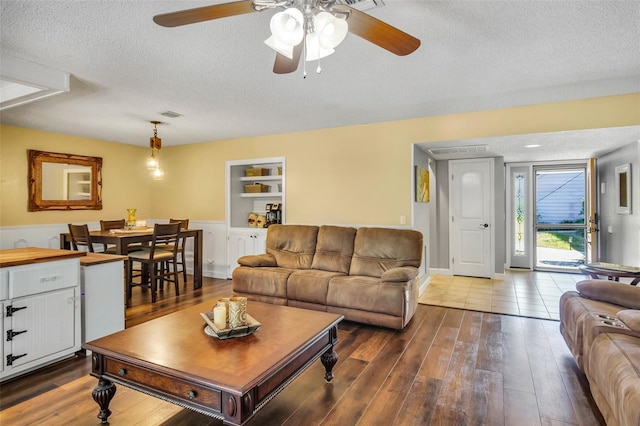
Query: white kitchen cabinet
x=103 y=295
x=244 y=242
x=41 y=310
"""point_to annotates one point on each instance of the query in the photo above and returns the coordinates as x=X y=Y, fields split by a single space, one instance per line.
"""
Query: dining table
x=122 y=238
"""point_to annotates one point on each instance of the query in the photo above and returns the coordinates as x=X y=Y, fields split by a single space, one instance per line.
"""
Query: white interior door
x=471 y=200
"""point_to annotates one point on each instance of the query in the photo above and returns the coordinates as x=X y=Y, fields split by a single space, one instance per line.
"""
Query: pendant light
x=153 y=162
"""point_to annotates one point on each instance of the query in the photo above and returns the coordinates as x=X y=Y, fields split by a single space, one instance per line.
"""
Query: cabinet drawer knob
x=122 y=372
x=191 y=395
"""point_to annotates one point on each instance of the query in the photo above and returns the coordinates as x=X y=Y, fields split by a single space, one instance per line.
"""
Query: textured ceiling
x=475 y=55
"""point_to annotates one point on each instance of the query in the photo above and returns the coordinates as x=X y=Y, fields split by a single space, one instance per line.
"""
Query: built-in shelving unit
x=243 y=239
x=240 y=203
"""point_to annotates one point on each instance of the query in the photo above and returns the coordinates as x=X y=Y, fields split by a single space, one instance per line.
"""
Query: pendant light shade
x=153 y=162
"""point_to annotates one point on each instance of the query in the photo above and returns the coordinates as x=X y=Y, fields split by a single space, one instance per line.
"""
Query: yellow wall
x=349 y=175
x=125 y=181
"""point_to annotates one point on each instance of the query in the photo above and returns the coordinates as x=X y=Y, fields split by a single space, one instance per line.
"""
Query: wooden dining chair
x=106 y=225
x=181 y=262
x=80 y=237
x=154 y=259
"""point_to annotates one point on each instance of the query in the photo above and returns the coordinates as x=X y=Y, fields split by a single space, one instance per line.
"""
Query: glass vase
x=131 y=217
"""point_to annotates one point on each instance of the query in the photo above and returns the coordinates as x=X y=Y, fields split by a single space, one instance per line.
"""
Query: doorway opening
x=560 y=225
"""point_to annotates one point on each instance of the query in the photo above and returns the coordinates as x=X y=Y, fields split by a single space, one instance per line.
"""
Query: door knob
x=485 y=225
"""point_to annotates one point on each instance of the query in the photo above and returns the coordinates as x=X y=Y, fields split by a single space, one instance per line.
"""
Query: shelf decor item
x=256 y=187
x=256 y=171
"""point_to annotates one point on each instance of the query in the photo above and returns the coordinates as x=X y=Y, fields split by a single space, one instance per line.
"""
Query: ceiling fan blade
x=284 y=65
x=381 y=33
x=206 y=13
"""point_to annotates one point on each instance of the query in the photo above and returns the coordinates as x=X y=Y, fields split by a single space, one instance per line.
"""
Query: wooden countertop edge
x=30 y=255
x=100 y=258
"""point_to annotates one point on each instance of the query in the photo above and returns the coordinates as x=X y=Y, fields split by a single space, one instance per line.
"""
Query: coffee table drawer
x=176 y=388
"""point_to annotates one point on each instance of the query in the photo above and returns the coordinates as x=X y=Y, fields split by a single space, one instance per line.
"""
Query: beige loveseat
x=369 y=275
x=600 y=323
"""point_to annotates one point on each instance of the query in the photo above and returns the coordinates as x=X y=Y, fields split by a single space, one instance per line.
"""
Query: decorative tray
x=228 y=333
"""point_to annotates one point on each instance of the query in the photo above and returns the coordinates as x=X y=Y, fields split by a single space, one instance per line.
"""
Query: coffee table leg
x=102 y=394
x=329 y=359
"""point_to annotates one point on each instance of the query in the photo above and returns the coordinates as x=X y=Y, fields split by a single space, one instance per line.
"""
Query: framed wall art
x=422 y=185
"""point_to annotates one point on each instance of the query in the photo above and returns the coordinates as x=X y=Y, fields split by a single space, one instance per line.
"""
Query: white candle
x=220 y=317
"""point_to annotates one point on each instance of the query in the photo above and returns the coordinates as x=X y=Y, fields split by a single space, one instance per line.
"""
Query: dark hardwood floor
x=447 y=367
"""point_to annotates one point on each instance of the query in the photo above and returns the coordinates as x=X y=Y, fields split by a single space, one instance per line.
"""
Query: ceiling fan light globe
x=288 y=27
x=314 y=50
x=283 y=49
x=330 y=29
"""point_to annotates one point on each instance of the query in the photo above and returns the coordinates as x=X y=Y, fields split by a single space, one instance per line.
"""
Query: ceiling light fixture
x=23 y=81
x=153 y=162
x=319 y=25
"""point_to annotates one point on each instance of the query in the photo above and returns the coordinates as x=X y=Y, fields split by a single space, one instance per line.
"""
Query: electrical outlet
x=403 y=220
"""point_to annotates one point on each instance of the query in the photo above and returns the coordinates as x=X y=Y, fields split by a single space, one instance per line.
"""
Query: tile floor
x=524 y=293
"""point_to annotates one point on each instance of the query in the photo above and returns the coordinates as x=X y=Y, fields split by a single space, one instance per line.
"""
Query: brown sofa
x=600 y=323
x=369 y=275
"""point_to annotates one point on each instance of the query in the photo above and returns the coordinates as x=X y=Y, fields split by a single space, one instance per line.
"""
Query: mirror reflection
x=65 y=182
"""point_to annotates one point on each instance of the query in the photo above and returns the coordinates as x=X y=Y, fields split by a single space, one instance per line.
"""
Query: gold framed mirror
x=64 y=181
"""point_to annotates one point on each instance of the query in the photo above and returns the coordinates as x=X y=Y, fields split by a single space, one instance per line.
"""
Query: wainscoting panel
x=214 y=242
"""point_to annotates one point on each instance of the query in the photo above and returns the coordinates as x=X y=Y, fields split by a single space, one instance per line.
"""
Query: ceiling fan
x=315 y=26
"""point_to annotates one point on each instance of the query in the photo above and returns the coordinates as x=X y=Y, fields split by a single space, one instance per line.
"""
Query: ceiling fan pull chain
x=318 y=70
x=304 y=55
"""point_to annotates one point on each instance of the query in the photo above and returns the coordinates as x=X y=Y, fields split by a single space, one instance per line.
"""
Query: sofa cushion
x=614 y=378
x=266 y=281
x=610 y=291
x=334 y=249
x=377 y=250
x=292 y=246
x=310 y=285
x=367 y=294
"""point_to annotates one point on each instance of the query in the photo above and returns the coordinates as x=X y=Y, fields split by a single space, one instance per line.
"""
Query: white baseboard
x=424 y=283
x=500 y=277
x=438 y=271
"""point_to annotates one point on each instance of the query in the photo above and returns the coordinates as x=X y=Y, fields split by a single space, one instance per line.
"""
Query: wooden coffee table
x=173 y=359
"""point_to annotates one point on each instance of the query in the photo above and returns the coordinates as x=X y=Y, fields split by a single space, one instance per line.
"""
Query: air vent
x=361 y=4
x=171 y=114
x=458 y=150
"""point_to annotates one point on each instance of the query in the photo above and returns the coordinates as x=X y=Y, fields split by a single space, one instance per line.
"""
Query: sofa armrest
x=258 y=260
x=402 y=274
x=630 y=318
x=610 y=291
